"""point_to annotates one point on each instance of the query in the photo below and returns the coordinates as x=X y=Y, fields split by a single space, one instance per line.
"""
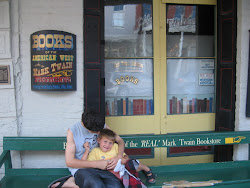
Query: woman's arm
x=72 y=162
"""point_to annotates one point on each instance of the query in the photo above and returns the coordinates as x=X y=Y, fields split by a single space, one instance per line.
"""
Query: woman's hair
x=92 y=121
x=108 y=134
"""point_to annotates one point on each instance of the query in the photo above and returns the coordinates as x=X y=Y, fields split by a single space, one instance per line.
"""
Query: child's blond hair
x=108 y=134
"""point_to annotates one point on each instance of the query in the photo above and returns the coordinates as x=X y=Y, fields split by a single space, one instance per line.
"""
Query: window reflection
x=118 y=16
x=129 y=78
x=181 y=18
x=128 y=30
x=129 y=86
x=190 y=81
x=190 y=86
x=128 y=74
x=190 y=31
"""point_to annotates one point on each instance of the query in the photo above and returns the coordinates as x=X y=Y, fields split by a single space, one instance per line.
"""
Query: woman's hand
x=101 y=164
x=112 y=163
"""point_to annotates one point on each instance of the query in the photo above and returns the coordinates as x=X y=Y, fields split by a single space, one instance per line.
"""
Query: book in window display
x=129 y=107
x=194 y=105
x=190 y=86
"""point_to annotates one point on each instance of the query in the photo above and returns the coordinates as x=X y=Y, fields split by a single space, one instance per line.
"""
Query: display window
x=190 y=30
x=190 y=82
x=128 y=59
x=160 y=72
x=129 y=87
x=191 y=86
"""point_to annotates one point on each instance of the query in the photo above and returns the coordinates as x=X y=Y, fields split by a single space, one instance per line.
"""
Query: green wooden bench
x=234 y=174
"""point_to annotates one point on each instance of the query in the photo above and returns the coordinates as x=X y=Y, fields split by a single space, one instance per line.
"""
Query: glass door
x=190 y=76
x=160 y=72
x=132 y=106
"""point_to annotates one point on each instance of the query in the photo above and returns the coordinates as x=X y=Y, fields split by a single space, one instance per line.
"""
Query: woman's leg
x=96 y=178
x=88 y=178
x=110 y=180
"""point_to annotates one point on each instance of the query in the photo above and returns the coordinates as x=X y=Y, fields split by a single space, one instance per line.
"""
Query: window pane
x=129 y=86
x=128 y=30
x=128 y=74
x=190 y=86
x=190 y=31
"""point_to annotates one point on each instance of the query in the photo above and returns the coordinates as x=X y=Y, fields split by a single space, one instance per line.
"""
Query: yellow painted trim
x=187 y=159
x=189 y=123
x=149 y=124
x=197 y=2
x=160 y=159
x=157 y=56
x=163 y=68
x=153 y=162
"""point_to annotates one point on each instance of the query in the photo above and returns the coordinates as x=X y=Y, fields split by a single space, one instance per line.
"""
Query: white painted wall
x=47 y=113
x=36 y=113
x=8 y=119
x=242 y=123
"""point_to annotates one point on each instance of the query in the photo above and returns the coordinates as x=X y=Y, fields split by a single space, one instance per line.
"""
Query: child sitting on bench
x=126 y=169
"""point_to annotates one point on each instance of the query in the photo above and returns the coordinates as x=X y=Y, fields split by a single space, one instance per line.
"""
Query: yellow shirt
x=98 y=154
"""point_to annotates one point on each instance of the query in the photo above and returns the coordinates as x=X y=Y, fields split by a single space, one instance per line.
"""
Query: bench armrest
x=5 y=159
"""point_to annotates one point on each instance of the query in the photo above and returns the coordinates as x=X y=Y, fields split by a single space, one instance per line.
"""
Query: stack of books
x=194 y=105
x=129 y=107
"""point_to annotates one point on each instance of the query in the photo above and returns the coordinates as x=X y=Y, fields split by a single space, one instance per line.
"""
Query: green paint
x=135 y=141
x=233 y=174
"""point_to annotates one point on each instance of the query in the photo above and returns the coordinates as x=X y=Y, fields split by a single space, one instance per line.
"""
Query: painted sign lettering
x=53 y=61
x=181 y=142
x=140 y=142
x=127 y=78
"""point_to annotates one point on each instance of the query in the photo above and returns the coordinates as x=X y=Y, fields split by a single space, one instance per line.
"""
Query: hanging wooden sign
x=53 y=61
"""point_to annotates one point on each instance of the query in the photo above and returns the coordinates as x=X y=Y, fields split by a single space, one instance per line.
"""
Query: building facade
x=26 y=111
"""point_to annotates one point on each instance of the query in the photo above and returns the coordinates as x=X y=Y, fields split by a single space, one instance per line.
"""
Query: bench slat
x=135 y=141
x=231 y=173
x=37 y=171
x=34 y=143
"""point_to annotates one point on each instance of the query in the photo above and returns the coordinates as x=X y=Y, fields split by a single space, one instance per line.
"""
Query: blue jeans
x=96 y=178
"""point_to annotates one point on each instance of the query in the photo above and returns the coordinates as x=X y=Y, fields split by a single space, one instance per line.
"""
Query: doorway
x=160 y=65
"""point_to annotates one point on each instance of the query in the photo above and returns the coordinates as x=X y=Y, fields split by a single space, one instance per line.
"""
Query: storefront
x=151 y=66
x=160 y=65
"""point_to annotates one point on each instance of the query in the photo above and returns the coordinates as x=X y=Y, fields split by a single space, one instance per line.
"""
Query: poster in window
x=181 y=18
x=53 y=61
